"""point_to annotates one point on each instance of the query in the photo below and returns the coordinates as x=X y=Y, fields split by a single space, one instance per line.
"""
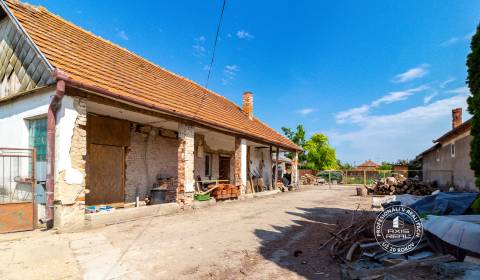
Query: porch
x=113 y=157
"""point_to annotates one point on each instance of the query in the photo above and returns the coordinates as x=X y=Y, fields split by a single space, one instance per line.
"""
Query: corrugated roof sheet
x=92 y=60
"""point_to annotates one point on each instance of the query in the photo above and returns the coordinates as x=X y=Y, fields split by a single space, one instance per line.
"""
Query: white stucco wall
x=66 y=116
x=243 y=174
x=261 y=162
x=14 y=115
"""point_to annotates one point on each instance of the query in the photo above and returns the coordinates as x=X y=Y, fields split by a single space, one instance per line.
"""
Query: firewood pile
x=401 y=185
x=353 y=246
x=344 y=244
x=225 y=191
x=308 y=179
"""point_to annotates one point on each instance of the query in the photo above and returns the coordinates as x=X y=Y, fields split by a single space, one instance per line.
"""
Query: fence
x=17 y=189
x=363 y=177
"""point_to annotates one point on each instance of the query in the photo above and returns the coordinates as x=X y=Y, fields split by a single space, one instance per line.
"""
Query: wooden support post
x=346 y=177
x=365 y=177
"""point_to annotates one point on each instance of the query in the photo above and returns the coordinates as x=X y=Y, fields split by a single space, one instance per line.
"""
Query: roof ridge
x=40 y=8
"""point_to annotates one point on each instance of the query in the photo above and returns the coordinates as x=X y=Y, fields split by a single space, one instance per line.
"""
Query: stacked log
x=401 y=185
x=308 y=179
x=226 y=191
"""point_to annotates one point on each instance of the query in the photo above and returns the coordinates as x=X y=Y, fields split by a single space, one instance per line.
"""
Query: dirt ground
x=274 y=237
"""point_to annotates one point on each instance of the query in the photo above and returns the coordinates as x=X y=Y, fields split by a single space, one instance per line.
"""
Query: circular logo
x=398 y=229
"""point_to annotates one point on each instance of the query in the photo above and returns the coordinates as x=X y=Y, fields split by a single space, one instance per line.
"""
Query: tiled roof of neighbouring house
x=91 y=60
x=369 y=163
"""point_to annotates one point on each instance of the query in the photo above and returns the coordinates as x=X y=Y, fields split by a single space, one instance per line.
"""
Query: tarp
x=445 y=203
x=461 y=231
x=400 y=199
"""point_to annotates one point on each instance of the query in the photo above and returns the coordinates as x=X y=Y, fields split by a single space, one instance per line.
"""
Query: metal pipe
x=51 y=125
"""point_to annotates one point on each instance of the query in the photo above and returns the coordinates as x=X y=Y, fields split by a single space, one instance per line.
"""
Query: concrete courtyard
x=250 y=239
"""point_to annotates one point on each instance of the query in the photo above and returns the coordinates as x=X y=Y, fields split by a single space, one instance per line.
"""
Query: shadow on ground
x=296 y=247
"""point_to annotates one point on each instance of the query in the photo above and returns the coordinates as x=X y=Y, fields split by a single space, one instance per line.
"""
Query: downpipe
x=51 y=128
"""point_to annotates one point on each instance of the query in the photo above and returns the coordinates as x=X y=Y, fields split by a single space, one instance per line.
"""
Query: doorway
x=224 y=168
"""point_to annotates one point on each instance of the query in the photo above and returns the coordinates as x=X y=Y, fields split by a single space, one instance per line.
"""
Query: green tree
x=473 y=81
x=385 y=166
x=320 y=155
x=344 y=165
x=297 y=137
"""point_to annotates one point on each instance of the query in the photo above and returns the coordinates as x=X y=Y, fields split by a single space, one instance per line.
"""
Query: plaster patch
x=73 y=176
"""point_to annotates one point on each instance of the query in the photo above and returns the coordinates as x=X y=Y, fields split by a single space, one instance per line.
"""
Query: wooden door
x=105 y=178
x=224 y=168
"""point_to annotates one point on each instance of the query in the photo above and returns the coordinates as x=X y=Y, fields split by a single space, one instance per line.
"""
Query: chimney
x=248 y=104
x=456 y=117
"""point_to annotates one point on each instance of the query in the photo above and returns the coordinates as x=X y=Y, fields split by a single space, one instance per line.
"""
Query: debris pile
x=354 y=247
x=225 y=191
x=401 y=185
x=308 y=179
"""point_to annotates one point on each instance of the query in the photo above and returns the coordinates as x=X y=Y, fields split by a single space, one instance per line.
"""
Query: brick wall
x=186 y=163
x=238 y=162
x=148 y=156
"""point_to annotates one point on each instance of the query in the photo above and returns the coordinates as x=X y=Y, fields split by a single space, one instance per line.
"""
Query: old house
x=367 y=166
x=448 y=161
x=107 y=124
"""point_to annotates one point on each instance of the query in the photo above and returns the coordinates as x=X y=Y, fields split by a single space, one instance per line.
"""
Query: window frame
x=452 y=150
x=42 y=156
x=208 y=165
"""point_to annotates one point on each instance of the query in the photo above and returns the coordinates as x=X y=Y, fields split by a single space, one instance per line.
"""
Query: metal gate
x=17 y=189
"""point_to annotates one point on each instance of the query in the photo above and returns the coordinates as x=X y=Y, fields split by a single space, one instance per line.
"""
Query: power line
x=215 y=42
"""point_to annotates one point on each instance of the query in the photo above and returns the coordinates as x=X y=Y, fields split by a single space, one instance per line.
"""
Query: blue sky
x=378 y=77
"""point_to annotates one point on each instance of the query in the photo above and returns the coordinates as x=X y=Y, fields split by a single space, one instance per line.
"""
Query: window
x=208 y=165
x=452 y=149
x=37 y=130
x=437 y=155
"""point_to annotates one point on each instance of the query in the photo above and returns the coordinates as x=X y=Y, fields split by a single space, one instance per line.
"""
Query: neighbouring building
x=108 y=124
x=448 y=161
x=367 y=165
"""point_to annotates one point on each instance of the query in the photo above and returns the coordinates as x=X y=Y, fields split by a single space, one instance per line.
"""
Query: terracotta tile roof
x=92 y=60
x=369 y=163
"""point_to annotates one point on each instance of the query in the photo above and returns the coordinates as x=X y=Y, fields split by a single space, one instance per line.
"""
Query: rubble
x=308 y=179
x=401 y=185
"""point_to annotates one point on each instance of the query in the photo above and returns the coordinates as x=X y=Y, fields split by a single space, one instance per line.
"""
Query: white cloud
x=123 y=35
x=229 y=73
x=447 y=81
x=459 y=90
x=397 y=96
x=396 y=136
x=454 y=40
x=199 y=46
x=358 y=114
x=412 y=74
x=242 y=34
x=353 y=115
x=429 y=97
x=450 y=42
x=306 y=111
